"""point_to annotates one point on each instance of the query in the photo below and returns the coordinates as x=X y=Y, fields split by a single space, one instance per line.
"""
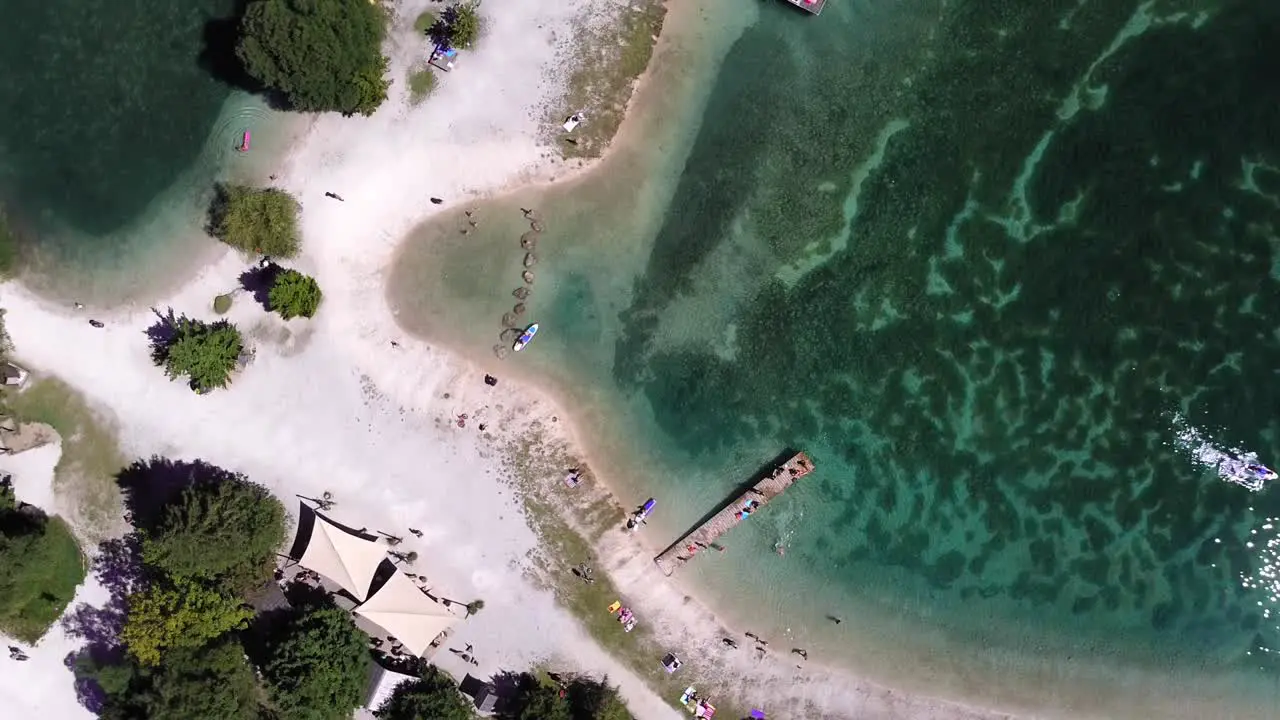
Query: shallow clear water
x=984 y=262
x=113 y=126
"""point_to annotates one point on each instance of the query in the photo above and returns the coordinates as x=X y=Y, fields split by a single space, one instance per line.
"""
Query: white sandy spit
x=330 y=404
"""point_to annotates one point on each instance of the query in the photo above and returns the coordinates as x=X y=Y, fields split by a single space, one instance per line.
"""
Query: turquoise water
x=984 y=262
x=113 y=125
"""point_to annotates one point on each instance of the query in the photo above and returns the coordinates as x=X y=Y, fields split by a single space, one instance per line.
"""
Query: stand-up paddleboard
x=525 y=337
x=244 y=141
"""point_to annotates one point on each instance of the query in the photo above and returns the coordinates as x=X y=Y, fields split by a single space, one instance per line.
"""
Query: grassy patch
x=90 y=454
x=605 y=62
x=53 y=570
x=567 y=532
x=222 y=303
x=424 y=22
x=422 y=83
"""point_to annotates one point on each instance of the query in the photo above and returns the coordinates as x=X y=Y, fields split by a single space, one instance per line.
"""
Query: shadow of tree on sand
x=161 y=334
x=257 y=281
x=118 y=568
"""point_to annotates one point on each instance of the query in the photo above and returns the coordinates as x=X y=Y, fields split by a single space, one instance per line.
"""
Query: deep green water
x=1008 y=254
x=113 y=125
x=985 y=262
x=1059 y=227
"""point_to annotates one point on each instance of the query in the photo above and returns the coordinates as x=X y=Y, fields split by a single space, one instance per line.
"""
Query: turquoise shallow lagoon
x=113 y=128
x=982 y=261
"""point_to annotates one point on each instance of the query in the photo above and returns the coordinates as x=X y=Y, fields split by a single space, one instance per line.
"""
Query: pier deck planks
x=701 y=537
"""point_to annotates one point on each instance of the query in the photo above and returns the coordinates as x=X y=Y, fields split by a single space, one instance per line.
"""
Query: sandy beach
x=350 y=404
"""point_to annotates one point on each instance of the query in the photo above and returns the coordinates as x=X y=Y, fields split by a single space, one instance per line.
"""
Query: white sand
x=329 y=404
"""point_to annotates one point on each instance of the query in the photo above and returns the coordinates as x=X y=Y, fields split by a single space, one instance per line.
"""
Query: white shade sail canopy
x=348 y=559
x=407 y=613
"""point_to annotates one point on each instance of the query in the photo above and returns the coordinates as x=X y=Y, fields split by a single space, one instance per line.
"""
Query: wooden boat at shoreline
x=734 y=512
x=813 y=7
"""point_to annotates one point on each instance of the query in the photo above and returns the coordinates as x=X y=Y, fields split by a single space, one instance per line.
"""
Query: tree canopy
x=179 y=613
x=40 y=568
x=256 y=220
x=210 y=683
x=458 y=26
x=318 y=667
x=204 y=353
x=221 y=528
x=540 y=701
x=591 y=699
x=432 y=697
x=540 y=697
x=295 y=295
x=322 y=55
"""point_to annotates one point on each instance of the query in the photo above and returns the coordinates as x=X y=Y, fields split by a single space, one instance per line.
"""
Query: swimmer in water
x=779 y=548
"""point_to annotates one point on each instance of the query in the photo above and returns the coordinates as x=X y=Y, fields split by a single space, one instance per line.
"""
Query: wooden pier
x=810 y=6
x=748 y=503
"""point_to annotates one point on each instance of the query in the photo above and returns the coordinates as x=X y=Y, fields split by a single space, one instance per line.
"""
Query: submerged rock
x=530 y=260
x=518 y=309
x=508 y=319
x=521 y=292
x=501 y=351
x=537 y=226
x=527 y=276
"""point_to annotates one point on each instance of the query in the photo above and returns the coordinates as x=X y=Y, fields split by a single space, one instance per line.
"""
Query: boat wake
x=1230 y=464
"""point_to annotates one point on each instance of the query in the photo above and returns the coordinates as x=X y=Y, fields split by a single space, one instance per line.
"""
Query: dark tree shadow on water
x=257 y=281
x=218 y=58
x=218 y=52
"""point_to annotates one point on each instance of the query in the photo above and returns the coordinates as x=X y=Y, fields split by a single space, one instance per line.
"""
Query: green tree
x=322 y=55
x=458 y=27
x=433 y=697
x=209 y=683
x=256 y=220
x=541 y=701
x=40 y=568
x=222 y=527
x=295 y=295
x=179 y=613
x=318 y=668
x=205 y=353
x=591 y=699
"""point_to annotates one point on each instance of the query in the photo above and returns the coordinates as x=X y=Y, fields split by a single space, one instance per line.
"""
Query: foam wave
x=1231 y=464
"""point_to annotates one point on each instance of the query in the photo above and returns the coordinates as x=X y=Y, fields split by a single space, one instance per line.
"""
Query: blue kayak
x=525 y=337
